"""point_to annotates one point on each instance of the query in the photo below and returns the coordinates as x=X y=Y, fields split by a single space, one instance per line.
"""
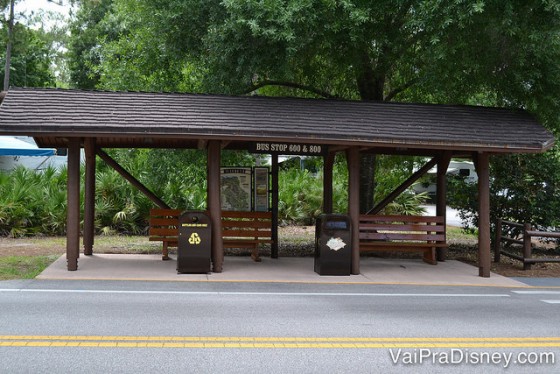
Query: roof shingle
x=57 y=113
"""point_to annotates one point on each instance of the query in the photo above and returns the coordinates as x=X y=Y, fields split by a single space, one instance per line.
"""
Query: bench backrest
x=247 y=224
x=164 y=223
x=402 y=228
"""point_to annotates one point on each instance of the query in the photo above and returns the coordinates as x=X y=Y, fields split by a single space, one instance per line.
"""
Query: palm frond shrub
x=35 y=202
x=300 y=196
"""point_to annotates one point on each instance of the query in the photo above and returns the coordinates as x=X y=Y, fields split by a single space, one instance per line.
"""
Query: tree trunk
x=367 y=182
x=370 y=82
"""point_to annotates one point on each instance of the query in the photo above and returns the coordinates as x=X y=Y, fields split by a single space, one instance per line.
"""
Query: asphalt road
x=147 y=327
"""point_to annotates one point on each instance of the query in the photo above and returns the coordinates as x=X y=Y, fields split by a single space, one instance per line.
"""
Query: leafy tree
x=486 y=52
x=52 y=29
x=31 y=58
x=83 y=48
x=452 y=51
x=524 y=189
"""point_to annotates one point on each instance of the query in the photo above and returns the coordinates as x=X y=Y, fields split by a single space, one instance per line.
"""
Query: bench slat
x=407 y=227
x=164 y=231
x=232 y=243
x=157 y=221
x=165 y=212
x=396 y=245
x=246 y=233
x=389 y=248
x=434 y=219
x=401 y=236
x=261 y=215
x=251 y=224
x=163 y=239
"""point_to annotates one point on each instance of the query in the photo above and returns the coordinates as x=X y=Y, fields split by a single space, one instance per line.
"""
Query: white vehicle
x=463 y=169
x=22 y=151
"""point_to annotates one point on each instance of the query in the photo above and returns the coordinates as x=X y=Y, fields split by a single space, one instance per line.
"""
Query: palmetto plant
x=300 y=196
x=35 y=202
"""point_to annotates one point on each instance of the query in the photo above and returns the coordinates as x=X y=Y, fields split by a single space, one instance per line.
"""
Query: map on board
x=236 y=189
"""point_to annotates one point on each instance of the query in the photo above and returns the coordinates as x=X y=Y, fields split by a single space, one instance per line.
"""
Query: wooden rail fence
x=524 y=240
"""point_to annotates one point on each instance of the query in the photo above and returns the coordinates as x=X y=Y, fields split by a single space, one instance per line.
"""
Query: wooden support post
x=353 y=160
x=498 y=241
x=441 y=196
x=214 y=205
x=73 y=207
x=89 y=198
x=328 y=182
x=483 y=215
x=527 y=247
x=274 y=228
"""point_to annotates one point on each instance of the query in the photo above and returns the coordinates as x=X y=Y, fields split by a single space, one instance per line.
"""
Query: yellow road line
x=275 y=342
x=276 y=345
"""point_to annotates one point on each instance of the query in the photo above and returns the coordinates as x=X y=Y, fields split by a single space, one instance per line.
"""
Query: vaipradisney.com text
x=458 y=356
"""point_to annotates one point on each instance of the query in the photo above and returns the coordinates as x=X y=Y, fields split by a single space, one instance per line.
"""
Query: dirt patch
x=32 y=246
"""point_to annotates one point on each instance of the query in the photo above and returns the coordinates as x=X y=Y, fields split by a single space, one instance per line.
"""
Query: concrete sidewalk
x=286 y=269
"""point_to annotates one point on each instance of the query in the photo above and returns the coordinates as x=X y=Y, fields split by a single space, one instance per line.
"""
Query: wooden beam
x=353 y=160
x=89 y=198
x=275 y=200
x=73 y=207
x=202 y=144
x=337 y=148
x=443 y=161
x=483 y=172
x=403 y=152
x=328 y=182
x=400 y=189
x=214 y=205
x=135 y=182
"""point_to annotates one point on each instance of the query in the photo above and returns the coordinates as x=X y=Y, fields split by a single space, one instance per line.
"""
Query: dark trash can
x=333 y=245
x=195 y=243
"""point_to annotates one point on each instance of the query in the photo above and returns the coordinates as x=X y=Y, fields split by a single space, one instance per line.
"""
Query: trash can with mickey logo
x=195 y=243
x=333 y=245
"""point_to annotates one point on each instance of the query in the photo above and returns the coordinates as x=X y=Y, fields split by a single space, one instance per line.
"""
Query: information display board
x=261 y=189
x=236 y=189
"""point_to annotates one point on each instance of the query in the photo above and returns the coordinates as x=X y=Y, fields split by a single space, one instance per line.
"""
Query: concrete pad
x=286 y=269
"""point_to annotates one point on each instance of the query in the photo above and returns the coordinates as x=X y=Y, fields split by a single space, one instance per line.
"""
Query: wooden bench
x=247 y=230
x=239 y=229
x=403 y=234
x=164 y=227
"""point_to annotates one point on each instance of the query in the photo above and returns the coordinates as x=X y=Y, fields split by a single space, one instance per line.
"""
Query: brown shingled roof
x=131 y=118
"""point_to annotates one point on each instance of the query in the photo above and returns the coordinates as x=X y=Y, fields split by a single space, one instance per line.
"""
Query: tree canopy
x=487 y=52
x=454 y=51
x=39 y=46
x=484 y=52
x=31 y=57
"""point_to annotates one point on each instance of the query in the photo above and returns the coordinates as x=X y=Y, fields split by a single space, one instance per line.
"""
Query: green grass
x=457 y=233
x=24 y=267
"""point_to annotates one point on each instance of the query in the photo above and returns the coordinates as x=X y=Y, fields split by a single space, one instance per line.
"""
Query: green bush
x=523 y=188
x=34 y=203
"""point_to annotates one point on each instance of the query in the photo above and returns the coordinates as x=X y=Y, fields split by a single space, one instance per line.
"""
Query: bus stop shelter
x=94 y=120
